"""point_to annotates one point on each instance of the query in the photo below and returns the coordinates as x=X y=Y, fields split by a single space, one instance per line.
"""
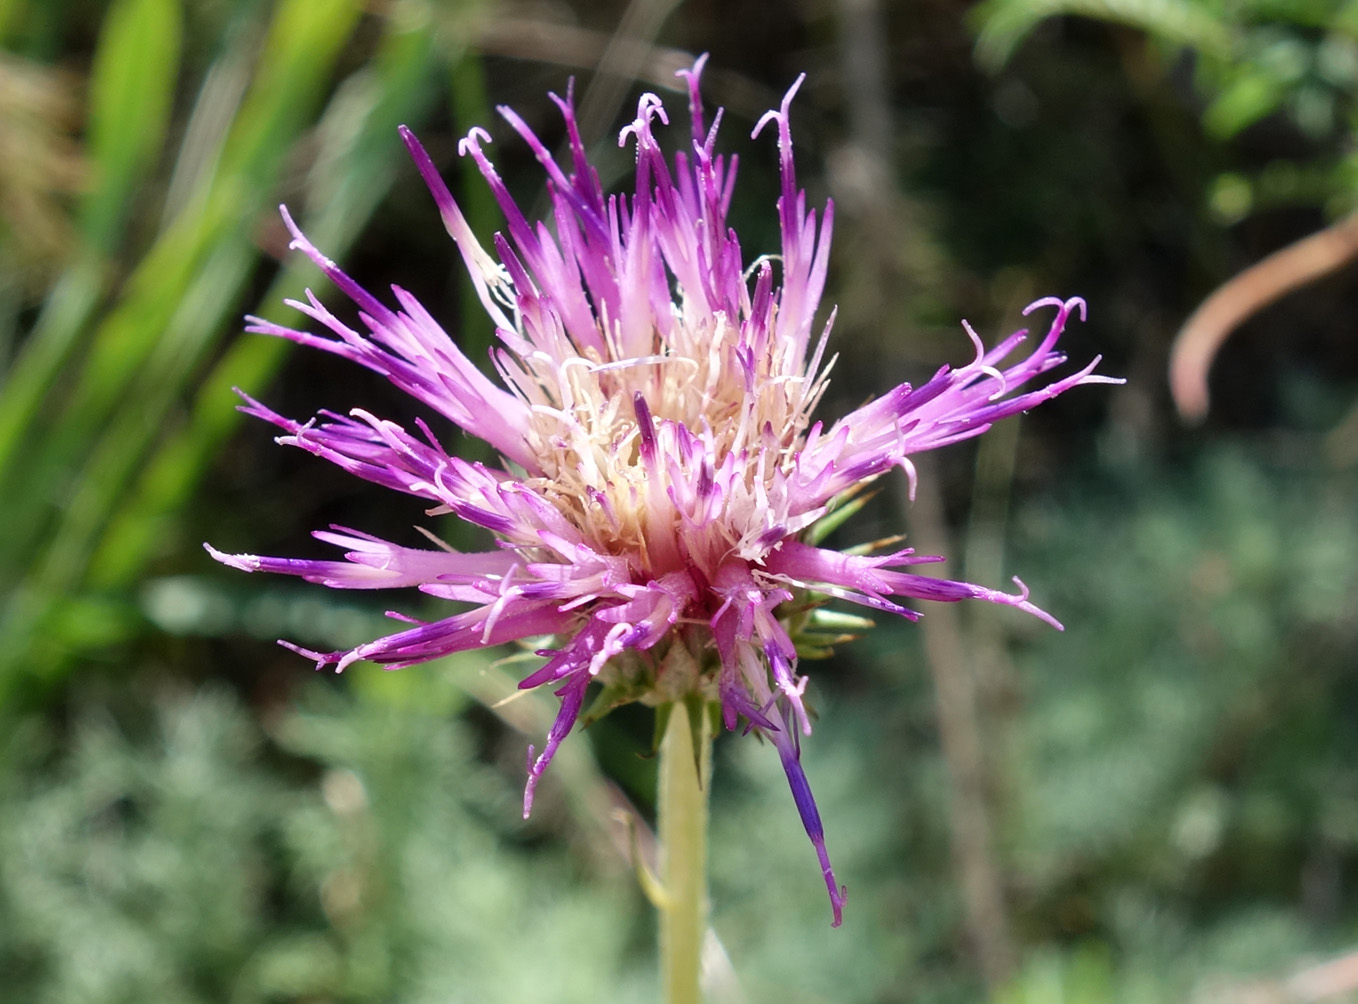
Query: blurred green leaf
x=9 y=14
x=159 y=856
x=1248 y=98
x=150 y=343
x=1004 y=24
x=132 y=86
x=358 y=160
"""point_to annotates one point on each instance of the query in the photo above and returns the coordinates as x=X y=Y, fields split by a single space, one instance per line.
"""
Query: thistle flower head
x=662 y=470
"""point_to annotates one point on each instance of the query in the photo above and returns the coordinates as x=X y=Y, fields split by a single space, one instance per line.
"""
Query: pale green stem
x=685 y=769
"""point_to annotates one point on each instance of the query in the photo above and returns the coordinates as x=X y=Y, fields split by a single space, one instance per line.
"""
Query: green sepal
x=698 y=729
x=697 y=706
x=814 y=652
x=828 y=619
x=613 y=695
x=662 y=723
x=873 y=546
x=840 y=512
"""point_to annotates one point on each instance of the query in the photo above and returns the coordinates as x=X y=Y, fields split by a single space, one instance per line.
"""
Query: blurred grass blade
x=7 y=16
x=359 y=157
x=131 y=95
x=64 y=315
x=132 y=84
x=214 y=110
x=470 y=105
x=146 y=349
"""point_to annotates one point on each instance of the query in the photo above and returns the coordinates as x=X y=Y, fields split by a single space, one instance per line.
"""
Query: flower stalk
x=681 y=811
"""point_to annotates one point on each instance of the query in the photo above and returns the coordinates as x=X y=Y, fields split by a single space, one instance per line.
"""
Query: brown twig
x=1337 y=977
x=1327 y=979
x=1256 y=287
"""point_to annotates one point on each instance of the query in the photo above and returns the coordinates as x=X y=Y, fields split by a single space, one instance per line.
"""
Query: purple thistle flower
x=661 y=467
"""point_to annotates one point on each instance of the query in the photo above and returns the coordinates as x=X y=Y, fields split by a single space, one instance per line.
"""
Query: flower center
x=728 y=416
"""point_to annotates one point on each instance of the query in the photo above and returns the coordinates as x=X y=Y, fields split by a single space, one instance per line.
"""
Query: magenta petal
x=572 y=696
x=789 y=752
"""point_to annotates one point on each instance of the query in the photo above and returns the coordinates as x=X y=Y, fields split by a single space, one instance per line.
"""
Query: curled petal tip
x=1046 y=301
x=321 y=659
x=837 y=900
x=1041 y=615
x=765 y=119
x=530 y=787
x=288 y=221
x=693 y=72
x=1087 y=375
x=472 y=141
x=241 y=562
x=1021 y=601
x=1064 y=307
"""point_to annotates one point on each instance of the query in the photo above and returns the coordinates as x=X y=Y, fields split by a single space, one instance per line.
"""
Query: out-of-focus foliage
x=186 y=816
x=186 y=153
x=1297 y=59
x=1183 y=776
x=355 y=852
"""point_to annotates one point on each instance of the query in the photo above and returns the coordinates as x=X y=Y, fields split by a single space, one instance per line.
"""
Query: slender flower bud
x=660 y=471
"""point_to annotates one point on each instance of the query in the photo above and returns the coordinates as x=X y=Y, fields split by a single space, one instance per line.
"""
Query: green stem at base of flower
x=681 y=811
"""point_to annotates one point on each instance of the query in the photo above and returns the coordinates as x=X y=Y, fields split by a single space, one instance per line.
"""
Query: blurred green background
x=1159 y=804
